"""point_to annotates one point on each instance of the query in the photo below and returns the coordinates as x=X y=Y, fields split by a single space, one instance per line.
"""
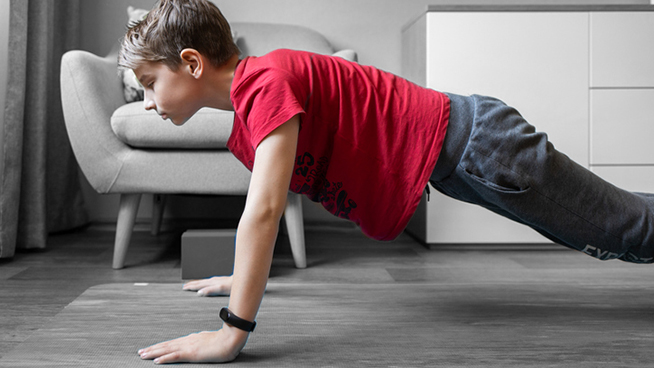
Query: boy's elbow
x=266 y=212
x=272 y=214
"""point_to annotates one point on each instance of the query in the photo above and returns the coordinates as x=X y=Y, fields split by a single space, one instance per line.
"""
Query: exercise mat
x=375 y=325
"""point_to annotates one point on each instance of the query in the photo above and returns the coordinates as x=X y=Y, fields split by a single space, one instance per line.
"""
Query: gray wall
x=4 y=39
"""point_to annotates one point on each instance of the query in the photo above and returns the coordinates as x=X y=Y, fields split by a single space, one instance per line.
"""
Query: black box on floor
x=207 y=253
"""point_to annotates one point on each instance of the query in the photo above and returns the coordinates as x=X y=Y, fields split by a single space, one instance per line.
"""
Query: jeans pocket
x=493 y=175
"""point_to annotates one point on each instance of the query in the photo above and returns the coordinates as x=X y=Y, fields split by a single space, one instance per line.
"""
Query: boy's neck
x=221 y=83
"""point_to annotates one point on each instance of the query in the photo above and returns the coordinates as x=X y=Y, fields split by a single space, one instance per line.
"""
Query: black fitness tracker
x=233 y=320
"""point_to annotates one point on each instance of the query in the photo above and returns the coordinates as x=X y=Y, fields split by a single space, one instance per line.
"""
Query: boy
x=364 y=143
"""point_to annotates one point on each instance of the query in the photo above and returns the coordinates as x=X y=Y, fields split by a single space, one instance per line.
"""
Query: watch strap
x=233 y=320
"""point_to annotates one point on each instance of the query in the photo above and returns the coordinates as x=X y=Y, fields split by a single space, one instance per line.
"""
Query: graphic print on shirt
x=318 y=189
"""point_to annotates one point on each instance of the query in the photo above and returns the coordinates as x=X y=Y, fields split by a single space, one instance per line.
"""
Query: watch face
x=227 y=316
x=224 y=314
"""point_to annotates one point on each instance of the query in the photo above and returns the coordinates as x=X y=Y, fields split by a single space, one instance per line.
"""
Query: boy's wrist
x=234 y=333
x=235 y=321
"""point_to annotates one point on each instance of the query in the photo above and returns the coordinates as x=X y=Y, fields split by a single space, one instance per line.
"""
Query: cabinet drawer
x=622 y=126
x=632 y=178
x=622 y=49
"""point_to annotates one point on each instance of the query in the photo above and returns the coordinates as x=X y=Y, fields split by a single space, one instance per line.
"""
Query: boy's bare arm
x=257 y=230
x=255 y=240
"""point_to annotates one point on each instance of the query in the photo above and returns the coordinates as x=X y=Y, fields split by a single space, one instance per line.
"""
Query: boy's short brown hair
x=174 y=25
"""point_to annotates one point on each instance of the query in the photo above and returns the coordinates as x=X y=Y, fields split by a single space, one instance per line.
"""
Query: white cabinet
x=622 y=49
x=622 y=127
x=622 y=98
x=536 y=62
x=560 y=69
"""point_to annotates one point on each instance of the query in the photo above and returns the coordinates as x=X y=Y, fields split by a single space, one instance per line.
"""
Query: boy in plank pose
x=364 y=143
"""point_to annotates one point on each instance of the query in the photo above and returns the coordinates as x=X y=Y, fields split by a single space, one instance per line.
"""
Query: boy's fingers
x=215 y=286
x=157 y=352
x=207 y=346
x=149 y=352
x=169 y=358
x=214 y=290
x=191 y=285
x=199 y=284
x=196 y=284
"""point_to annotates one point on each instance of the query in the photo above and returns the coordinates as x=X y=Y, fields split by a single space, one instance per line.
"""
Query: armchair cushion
x=137 y=127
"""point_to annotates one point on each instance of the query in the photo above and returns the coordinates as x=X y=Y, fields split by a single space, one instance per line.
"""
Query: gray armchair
x=121 y=148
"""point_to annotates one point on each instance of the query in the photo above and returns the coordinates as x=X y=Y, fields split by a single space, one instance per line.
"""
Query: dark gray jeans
x=494 y=158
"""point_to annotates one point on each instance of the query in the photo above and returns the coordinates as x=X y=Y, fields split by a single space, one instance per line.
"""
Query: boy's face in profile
x=173 y=94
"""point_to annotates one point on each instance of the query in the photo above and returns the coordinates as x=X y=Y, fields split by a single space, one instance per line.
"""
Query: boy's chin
x=177 y=121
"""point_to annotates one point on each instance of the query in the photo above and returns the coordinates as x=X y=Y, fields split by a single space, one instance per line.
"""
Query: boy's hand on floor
x=214 y=286
x=203 y=347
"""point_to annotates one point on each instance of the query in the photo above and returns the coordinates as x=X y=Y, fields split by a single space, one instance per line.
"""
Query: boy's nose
x=148 y=104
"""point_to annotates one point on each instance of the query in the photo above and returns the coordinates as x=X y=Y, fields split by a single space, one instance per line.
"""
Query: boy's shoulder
x=280 y=58
x=279 y=73
x=277 y=64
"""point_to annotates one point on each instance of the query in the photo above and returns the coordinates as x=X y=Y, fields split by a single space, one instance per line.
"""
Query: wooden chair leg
x=129 y=205
x=158 y=206
x=295 y=226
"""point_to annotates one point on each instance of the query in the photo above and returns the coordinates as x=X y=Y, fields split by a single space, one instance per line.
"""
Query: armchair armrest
x=90 y=92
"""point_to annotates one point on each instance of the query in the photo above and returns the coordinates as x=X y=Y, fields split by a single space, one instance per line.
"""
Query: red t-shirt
x=368 y=139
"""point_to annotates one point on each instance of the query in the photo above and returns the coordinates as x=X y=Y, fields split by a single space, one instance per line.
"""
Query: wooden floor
x=35 y=286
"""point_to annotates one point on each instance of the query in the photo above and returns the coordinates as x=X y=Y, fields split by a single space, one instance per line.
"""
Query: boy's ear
x=192 y=62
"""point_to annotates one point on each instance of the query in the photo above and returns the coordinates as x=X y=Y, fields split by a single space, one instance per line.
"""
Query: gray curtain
x=39 y=182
